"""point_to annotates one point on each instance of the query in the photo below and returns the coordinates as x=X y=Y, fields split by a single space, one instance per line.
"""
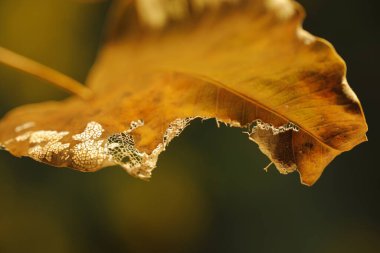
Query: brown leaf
x=248 y=64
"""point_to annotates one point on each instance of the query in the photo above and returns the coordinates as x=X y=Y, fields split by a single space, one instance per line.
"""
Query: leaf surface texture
x=248 y=64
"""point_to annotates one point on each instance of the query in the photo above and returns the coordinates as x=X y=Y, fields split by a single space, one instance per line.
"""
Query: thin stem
x=36 y=69
x=267 y=167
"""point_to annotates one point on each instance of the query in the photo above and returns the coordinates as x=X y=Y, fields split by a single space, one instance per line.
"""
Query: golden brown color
x=246 y=63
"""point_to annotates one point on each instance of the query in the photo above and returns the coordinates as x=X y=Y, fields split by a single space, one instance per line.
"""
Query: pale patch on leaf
x=43 y=144
x=89 y=153
x=24 y=126
x=282 y=8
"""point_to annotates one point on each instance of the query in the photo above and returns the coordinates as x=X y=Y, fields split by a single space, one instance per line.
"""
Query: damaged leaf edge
x=121 y=146
x=141 y=164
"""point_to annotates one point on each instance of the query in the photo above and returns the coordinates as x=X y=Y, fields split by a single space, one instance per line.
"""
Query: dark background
x=209 y=192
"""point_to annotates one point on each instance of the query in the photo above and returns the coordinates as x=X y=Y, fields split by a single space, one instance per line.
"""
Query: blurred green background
x=209 y=192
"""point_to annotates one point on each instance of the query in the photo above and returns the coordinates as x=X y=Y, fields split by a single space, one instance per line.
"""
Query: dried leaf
x=248 y=64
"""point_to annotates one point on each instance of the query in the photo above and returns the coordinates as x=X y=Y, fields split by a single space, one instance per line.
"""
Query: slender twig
x=267 y=167
x=36 y=69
